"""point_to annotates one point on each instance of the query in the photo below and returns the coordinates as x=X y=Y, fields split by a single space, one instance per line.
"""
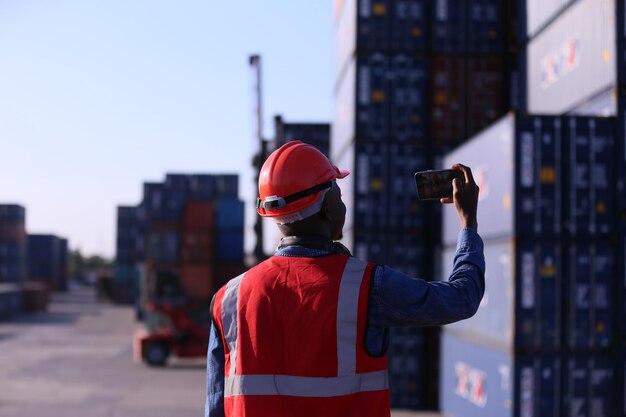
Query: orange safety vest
x=293 y=331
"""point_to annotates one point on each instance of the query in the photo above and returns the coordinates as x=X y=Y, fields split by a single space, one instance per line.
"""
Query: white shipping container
x=573 y=59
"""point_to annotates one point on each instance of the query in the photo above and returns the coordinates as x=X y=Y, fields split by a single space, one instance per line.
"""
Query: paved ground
x=76 y=360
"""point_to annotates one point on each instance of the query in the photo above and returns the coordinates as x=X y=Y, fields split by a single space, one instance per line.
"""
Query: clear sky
x=99 y=96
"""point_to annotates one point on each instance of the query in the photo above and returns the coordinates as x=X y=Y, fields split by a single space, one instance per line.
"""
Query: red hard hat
x=292 y=180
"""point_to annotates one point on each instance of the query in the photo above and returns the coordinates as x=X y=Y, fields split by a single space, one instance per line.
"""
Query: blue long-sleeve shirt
x=395 y=299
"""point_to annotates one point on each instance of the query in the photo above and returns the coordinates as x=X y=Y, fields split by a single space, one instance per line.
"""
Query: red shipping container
x=225 y=271
x=34 y=296
x=447 y=101
x=12 y=232
x=197 y=281
x=485 y=80
x=197 y=247
x=199 y=215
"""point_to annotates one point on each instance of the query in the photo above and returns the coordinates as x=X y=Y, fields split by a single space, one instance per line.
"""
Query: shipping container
x=539 y=13
x=163 y=243
x=589 y=297
x=198 y=281
x=197 y=247
x=565 y=67
x=373 y=97
x=343 y=126
x=13 y=261
x=202 y=187
x=408 y=25
x=227 y=185
x=409 y=98
x=47 y=260
x=478 y=380
x=517 y=164
x=199 y=216
x=370 y=245
x=370 y=175
x=229 y=246
x=229 y=214
x=405 y=208
x=373 y=30
x=406 y=252
x=406 y=368
x=345 y=35
x=13 y=243
x=447 y=99
x=485 y=28
x=590 y=179
x=620 y=150
x=449 y=26
x=621 y=279
x=485 y=92
x=316 y=134
x=521 y=308
x=589 y=386
x=10 y=300
x=34 y=296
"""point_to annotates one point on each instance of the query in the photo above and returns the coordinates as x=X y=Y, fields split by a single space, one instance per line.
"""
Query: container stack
x=189 y=227
x=47 y=260
x=543 y=341
x=316 y=134
x=13 y=257
x=413 y=79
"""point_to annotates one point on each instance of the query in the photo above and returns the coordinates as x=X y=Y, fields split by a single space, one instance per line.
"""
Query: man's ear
x=325 y=211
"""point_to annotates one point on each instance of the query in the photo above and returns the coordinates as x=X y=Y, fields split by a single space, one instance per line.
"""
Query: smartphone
x=433 y=185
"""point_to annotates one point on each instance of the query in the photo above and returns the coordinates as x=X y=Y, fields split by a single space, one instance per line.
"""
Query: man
x=305 y=332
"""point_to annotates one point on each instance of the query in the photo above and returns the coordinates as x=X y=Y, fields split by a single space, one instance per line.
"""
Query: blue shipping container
x=230 y=246
x=485 y=32
x=408 y=22
x=44 y=260
x=230 y=214
x=406 y=367
x=12 y=212
x=10 y=300
x=478 y=381
x=590 y=386
x=372 y=25
x=406 y=252
x=162 y=246
x=373 y=97
x=406 y=210
x=227 y=185
x=620 y=146
x=590 y=176
x=371 y=188
x=408 y=98
x=202 y=187
x=589 y=296
x=370 y=245
x=449 y=26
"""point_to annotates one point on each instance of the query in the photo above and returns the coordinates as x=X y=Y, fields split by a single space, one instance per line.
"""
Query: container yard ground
x=76 y=360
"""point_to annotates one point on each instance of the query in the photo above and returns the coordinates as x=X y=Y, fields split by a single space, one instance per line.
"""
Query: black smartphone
x=433 y=185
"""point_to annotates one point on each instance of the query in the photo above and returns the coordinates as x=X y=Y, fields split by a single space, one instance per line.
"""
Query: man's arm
x=214 y=406
x=397 y=299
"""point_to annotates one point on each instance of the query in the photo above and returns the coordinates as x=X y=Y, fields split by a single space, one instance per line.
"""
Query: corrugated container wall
x=13 y=243
x=565 y=66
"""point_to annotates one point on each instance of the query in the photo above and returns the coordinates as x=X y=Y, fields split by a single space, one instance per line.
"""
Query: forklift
x=174 y=325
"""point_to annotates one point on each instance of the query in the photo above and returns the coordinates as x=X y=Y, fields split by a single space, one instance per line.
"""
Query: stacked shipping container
x=189 y=226
x=545 y=330
x=13 y=258
x=47 y=260
x=413 y=78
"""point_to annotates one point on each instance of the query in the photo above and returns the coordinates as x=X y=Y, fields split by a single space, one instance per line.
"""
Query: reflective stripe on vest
x=347 y=382
x=301 y=386
x=229 y=318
